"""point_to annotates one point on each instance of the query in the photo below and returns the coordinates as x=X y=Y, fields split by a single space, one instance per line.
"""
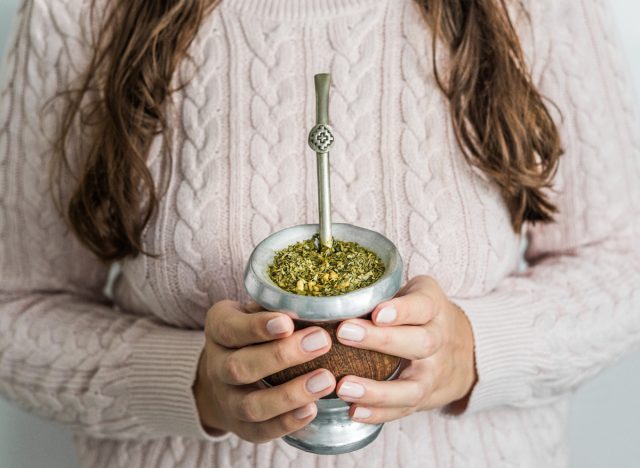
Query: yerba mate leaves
x=304 y=269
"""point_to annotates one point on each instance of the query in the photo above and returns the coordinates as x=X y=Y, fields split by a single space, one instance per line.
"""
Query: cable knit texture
x=118 y=370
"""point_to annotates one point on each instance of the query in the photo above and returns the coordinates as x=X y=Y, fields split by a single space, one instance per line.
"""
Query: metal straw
x=321 y=139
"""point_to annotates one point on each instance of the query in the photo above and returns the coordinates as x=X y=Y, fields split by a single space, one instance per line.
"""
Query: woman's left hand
x=421 y=325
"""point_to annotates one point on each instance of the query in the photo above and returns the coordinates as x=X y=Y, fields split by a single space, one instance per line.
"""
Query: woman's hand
x=244 y=347
x=421 y=325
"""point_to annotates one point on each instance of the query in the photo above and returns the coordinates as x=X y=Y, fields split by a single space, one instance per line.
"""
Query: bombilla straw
x=321 y=139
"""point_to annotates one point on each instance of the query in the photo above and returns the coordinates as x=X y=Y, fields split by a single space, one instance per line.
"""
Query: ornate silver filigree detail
x=321 y=138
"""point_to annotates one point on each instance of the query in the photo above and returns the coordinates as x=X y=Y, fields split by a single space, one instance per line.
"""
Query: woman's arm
x=66 y=352
x=541 y=333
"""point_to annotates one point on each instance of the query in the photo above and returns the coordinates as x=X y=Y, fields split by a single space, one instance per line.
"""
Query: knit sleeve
x=576 y=309
x=66 y=352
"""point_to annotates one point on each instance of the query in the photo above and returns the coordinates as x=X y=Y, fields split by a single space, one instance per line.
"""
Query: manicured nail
x=351 y=390
x=278 y=325
x=351 y=332
x=305 y=411
x=319 y=382
x=361 y=413
x=387 y=315
x=315 y=341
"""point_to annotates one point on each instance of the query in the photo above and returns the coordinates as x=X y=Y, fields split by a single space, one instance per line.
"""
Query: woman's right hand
x=242 y=347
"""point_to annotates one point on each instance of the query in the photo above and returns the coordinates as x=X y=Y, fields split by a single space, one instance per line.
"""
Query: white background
x=605 y=415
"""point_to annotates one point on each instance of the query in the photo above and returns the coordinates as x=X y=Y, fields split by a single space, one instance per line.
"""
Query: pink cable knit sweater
x=119 y=371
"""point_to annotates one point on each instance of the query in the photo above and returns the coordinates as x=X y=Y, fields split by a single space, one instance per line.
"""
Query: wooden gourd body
x=341 y=360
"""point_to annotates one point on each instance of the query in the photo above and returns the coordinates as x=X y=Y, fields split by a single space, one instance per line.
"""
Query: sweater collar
x=299 y=9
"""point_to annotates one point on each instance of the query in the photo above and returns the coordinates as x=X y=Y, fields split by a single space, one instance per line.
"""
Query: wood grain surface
x=341 y=360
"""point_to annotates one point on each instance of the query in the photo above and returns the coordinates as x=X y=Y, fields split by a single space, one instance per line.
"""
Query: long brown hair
x=500 y=120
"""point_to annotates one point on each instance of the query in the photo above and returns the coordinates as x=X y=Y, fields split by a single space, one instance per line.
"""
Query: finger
x=252 y=363
x=230 y=326
x=406 y=341
x=253 y=306
x=418 y=306
x=262 y=405
x=373 y=415
x=388 y=394
x=279 y=426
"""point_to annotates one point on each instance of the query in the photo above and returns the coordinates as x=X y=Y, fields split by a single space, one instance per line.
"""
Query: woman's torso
x=241 y=169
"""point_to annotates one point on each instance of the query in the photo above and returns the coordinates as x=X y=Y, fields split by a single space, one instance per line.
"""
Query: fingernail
x=304 y=412
x=319 y=382
x=351 y=390
x=315 y=341
x=278 y=325
x=361 y=413
x=351 y=332
x=387 y=315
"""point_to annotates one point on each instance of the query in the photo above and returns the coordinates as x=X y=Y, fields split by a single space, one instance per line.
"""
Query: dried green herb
x=303 y=268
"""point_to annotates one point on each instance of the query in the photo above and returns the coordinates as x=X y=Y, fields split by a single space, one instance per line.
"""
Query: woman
x=175 y=132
